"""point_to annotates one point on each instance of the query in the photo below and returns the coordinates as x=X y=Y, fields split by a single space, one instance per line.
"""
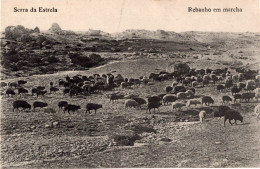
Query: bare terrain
x=38 y=139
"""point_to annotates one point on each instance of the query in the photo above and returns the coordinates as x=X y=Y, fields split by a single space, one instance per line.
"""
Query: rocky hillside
x=146 y=34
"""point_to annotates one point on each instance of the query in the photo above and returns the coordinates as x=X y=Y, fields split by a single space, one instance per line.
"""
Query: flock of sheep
x=243 y=85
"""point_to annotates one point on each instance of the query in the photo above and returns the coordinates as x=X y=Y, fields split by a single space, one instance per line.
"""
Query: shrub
x=52 y=59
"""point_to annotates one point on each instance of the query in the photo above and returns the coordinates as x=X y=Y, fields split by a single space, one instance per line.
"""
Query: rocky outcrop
x=55 y=28
x=14 y=32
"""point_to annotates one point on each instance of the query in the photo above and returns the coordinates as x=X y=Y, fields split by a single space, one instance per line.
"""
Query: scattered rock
x=166 y=140
x=55 y=123
x=217 y=142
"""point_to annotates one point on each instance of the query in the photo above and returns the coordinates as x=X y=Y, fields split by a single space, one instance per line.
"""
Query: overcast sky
x=118 y=15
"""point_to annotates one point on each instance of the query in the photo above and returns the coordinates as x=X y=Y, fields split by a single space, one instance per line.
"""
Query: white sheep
x=192 y=101
x=202 y=116
x=131 y=103
x=194 y=84
x=257 y=112
x=177 y=105
x=190 y=93
x=174 y=84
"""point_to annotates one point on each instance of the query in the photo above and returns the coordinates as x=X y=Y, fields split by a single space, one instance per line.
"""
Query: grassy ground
x=37 y=139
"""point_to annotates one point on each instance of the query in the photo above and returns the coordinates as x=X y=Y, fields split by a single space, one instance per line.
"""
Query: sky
x=119 y=15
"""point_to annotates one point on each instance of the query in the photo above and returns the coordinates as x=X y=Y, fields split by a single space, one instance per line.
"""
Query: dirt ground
x=35 y=139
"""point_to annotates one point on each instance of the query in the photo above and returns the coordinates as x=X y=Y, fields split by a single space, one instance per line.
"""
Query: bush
x=126 y=140
x=52 y=59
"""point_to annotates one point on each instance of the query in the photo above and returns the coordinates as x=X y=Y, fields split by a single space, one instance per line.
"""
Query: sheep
x=250 y=83
x=54 y=89
x=40 y=87
x=207 y=100
x=177 y=105
x=21 y=82
x=241 y=85
x=131 y=103
x=250 y=87
x=237 y=96
x=66 y=91
x=221 y=111
x=22 y=90
x=228 y=83
x=34 y=90
x=232 y=115
x=115 y=97
x=9 y=91
x=168 y=89
x=154 y=98
x=174 y=84
x=182 y=95
x=62 y=104
x=247 y=96
x=179 y=89
x=71 y=107
x=161 y=96
x=40 y=93
x=21 y=103
x=226 y=99
x=235 y=90
x=3 y=84
x=190 y=93
x=220 y=88
x=194 y=84
x=139 y=100
x=93 y=106
x=257 y=112
x=13 y=84
x=202 y=116
x=192 y=101
x=153 y=105
x=169 y=98
x=39 y=104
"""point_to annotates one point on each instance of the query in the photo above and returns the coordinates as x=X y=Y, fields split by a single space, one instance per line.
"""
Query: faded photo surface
x=130 y=83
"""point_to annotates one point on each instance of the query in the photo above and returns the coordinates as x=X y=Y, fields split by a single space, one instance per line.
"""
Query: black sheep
x=226 y=99
x=71 y=107
x=10 y=91
x=235 y=90
x=178 y=89
x=21 y=82
x=22 y=90
x=39 y=92
x=66 y=91
x=207 y=100
x=21 y=103
x=247 y=96
x=220 y=88
x=232 y=115
x=93 y=106
x=153 y=105
x=54 y=89
x=40 y=88
x=221 y=111
x=62 y=104
x=139 y=100
x=34 y=90
x=154 y=99
x=237 y=96
x=39 y=104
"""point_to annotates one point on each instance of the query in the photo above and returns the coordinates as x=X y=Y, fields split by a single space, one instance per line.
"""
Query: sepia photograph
x=130 y=84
